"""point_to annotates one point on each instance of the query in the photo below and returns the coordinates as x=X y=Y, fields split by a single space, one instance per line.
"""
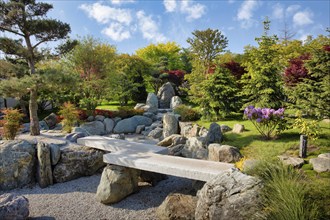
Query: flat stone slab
x=113 y=145
x=176 y=166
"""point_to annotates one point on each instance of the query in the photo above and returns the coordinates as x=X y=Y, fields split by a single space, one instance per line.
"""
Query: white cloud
x=231 y=1
x=193 y=10
x=189 y=8
x=149 y=28
x=245 y=13
x=278 y=11
x=170 y=5
x=105 y=14
x=302 y=18
x=117 y=32
x=292 y=9
x=120 y=2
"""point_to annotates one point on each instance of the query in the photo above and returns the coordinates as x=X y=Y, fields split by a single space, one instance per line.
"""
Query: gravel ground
x=76 y=200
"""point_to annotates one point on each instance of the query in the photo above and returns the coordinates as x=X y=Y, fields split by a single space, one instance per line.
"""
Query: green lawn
x=113 y=106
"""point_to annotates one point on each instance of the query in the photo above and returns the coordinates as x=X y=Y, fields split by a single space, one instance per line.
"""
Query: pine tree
x=26 y=19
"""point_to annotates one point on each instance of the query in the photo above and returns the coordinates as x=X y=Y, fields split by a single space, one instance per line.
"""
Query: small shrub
x=187 y=113
x=11 y=123
x=70 y=116
x=285 y=194
x=82 y=115
x=239 y=164
x=105 y=113
x=127 y=112
x=309 y=128
x=266 y=120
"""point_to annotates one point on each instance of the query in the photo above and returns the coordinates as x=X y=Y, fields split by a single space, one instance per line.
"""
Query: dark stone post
x=303 y=146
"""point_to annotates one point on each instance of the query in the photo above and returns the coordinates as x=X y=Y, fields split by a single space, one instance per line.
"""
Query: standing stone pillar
x=44 y=173
x=303 y=146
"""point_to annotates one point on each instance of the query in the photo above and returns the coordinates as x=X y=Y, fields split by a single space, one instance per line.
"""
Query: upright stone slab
x=116 y=183
x=152 y=103
x=51 y=120
x=214 y=134
x=109 y=125
x=170 y=124
x=175 y=101
x=165 y=94
x=44 y=171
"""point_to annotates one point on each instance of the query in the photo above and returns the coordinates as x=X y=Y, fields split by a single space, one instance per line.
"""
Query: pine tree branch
x=2 y=28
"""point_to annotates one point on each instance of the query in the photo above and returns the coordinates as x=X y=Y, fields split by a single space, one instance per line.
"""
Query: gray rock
x=13 y=207
x=321 y=163
x=90 y=118
x=80 y=130
x=77 y=161
x=99 y=118
x=194 y=132
x=292 y=161
x=231 y=195
x=175 y=150
x=152 y=103
x=94 y=127
x=203 y=132
x=55 y=153
x=109 y=125
x=172 y=140
x=150 y=115
x=185 y=128
x=214 y=135
x=175 y=101
x=116 y=120
x=225 y=128
x=165 y=94
x=223 y=153
x=151 y=177
x=116 y=183
x=139 y=106
x=238 y=128
x=43 y=125
x=195 y=148
x=25 y=128
x=129 y=125
x=157 y=133
x=72 y=137
x=139 y=129
x=17 y=164
x=44 y=171
x=156 y=124
x=177 y=206
x=51 y=120
x=170 y=124
x=117 y=136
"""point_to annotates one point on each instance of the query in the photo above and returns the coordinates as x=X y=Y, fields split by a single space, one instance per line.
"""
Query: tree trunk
x=33 y=108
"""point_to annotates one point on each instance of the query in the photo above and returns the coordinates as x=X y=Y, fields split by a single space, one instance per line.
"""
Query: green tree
x=133 y=73
x=94 y=62
x=220 y=93
x=158 y=53
x=263 y=84
x=27 y=20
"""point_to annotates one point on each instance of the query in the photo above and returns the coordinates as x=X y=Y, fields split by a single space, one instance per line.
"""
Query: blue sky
x=133 y=24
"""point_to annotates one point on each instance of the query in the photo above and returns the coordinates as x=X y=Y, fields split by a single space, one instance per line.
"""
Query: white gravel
x=76 y=200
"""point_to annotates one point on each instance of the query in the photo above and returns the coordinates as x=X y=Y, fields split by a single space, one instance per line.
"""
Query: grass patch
x=113 y=106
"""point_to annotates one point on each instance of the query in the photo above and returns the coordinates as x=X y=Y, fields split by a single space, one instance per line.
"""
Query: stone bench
x=176 y=166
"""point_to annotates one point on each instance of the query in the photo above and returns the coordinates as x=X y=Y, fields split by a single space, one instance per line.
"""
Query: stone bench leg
x=116 y=183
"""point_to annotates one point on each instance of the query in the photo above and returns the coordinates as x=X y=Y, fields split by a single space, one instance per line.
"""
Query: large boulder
x=51 y=120
x=321 y=163
x=94 y=127
x=223 y=153
x=13 y=207
x=157 y=133
x=17 y=164
x=195 y=148
x=175 y=102
x=99 y=118
x=185 y=128
x=55 y=153
x=129 y=125
x=177 y=206
x=238 y=128
x=44 y=171
x=152 y=103
x=165 y=94
x=231 y=195
x=214 y=134
x=116 y=183
x=109 y=125
x=170 y=125
x=172 y=140
x=77 y=161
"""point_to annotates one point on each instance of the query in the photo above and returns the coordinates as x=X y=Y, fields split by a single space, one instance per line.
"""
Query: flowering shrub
x=266 y=120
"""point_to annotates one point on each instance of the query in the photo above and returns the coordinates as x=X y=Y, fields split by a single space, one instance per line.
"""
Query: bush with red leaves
x=296 y=71
x=235 y=69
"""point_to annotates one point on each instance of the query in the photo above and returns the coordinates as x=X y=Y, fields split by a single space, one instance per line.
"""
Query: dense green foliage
x=187 y=113
x=11 y=123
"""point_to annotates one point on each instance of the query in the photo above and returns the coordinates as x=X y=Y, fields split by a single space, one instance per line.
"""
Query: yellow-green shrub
x=70 y=116
x=11 y=123
x=187 y=113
